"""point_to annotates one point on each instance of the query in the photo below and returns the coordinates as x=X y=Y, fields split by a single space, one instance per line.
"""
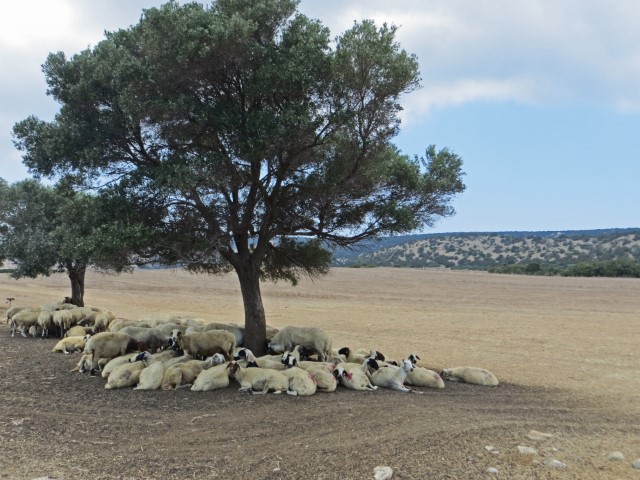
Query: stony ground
x=572 y=373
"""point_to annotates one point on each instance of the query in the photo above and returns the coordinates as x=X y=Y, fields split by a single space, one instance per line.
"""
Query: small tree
x=49 y=230
x=250 y=140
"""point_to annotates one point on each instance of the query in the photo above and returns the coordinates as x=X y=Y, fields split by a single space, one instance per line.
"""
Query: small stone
x=382 y=473
x=490 y=448
x=493 y=470
x=636 y=464
x=616 y=456
x=538 y=436
x=527 y=450
x=552 y=462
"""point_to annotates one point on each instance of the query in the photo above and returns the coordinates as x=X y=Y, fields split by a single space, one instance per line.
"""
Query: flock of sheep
x=149 y=354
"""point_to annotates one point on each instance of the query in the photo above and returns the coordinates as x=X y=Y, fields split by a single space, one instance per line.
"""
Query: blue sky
x=540 y=98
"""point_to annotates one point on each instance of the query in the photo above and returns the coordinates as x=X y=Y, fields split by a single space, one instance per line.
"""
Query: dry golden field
x=566 y=351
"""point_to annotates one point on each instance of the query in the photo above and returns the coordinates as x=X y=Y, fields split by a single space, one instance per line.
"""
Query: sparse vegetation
x=613 y=252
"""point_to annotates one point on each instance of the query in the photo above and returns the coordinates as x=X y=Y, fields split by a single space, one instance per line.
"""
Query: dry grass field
x=566 y=351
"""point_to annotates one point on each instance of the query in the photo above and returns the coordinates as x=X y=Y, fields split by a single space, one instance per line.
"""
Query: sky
x=540 y=98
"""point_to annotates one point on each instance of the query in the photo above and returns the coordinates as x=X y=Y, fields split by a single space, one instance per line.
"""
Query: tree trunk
x=76 y=276
x=255 y=325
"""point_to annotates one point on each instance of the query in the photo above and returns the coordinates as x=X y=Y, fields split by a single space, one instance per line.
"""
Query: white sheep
x=313 y=339
x=473 y=375
x=78 y=330
x=13 y=310
x=116 y=362
x=185 y=373
x=321 y=371
x=45 y=321
x=393 y=377
x=70 y=345
x=23 y=321
x=301 y=382
x=258 y=380
x=212 y=378
x=153 y=373
x=107 y=345
x=353 y=376
x=63 y=319
x=273 y=362
x=102 y=320
x=125 y=375
x=423 y=377
x=205 y=344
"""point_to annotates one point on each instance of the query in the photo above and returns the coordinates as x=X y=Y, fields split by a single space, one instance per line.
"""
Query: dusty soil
x=565 y=350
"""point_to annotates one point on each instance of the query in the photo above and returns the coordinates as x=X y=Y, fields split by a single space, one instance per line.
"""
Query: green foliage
x=54 y=229
x=239 y=132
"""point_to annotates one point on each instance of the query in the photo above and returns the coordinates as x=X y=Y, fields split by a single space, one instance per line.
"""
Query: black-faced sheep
x=311 y=338
x=321 y=371
x=473 y=375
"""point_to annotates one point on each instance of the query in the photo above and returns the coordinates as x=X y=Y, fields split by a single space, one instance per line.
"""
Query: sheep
x=321 y=371
x=473 y=375
x=45 y=321
x=13 y=310
x=311 y=338
x=153 y=373
x=23 y=321
x=258 y=380
x=70 y=344
x=78 y=330
x=273 y=362
x=213 y=378
x=237 y=331
x=393 y=377
x=107 y=345
x=353 y=376
x=168 y=328
x=301 y=382
x=116 y=362
x=205 y=344
x=150 y=339
x=124 y=375
x=184 y=373
x=422 y=377
x=360 y=355
x=85 y=361
x=63 y=319
x=102 y=320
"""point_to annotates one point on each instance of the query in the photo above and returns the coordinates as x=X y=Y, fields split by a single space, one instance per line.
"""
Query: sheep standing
x=107 y=345
x=23 y=321
x=206 y=344
x=473 y=375
x=311 y=338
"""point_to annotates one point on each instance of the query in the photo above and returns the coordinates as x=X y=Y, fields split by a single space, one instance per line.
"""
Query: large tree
x=252 y=141
x=47 y=229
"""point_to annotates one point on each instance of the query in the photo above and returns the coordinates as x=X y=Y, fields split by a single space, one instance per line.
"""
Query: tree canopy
x=250 y=140
x=45 y=230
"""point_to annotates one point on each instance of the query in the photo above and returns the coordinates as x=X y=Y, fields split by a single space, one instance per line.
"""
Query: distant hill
x=485 y=250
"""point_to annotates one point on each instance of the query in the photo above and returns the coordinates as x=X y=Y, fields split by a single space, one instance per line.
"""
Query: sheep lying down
x=473 y=375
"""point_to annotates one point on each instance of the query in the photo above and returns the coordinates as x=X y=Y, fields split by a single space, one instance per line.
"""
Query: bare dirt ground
x=565 y=350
